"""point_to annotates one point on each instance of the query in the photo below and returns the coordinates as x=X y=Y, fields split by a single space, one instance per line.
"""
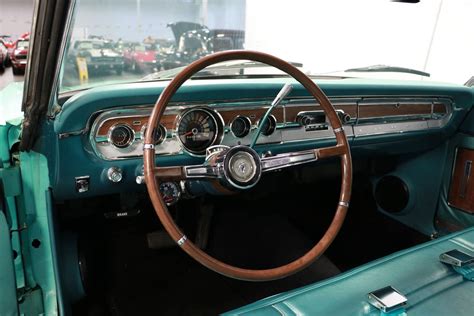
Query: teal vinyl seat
x=432 y=288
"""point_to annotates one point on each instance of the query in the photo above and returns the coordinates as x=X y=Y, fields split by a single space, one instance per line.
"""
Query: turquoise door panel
x=448 y=217
x=8 y=300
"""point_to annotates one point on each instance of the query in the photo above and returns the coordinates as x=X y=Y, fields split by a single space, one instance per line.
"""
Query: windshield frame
x=54 y=106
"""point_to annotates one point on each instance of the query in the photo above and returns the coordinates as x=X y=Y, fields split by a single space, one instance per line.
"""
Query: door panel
x=456 y=201
x=461 y=192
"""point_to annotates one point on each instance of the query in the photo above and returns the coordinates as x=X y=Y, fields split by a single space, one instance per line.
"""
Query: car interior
x=404 y=140
x=272 y=194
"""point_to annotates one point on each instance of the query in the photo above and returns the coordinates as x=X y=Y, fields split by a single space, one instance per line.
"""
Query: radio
x=316 y=120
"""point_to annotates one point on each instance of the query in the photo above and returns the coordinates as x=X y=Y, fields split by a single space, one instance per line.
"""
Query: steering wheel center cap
x=242 y=167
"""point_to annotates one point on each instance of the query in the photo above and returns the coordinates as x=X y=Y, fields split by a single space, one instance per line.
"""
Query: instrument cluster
x=120 y=134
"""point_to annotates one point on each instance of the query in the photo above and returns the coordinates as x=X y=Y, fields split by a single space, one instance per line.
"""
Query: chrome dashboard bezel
x=160 y=140
x=218 y=121
x=115 y=126
x=247 y=119
x=285 y=133
x=274 y=121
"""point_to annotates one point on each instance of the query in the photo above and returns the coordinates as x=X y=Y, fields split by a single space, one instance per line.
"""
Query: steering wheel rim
x=162 y=210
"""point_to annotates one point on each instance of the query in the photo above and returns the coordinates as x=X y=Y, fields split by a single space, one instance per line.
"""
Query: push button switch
x=82 y=184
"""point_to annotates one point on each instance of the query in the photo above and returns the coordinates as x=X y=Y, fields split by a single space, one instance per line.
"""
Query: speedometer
x=198 y=129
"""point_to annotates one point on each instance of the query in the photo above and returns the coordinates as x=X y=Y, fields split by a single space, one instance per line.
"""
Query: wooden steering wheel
x=221 y=168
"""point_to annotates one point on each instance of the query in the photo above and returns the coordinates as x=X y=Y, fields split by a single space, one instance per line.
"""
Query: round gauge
x=269 y=125
x=121 y=135
x=170 y=192
x=159 y=134
x=240 y=126
x=197 y=130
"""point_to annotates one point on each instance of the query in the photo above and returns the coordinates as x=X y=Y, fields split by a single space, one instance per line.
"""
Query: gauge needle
x=188 y=133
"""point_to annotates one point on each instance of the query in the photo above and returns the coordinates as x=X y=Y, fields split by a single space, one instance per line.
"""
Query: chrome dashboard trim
x=244 y=117
x=356 y=127
x=343 y=203
x=111 y=130
x=287 y=160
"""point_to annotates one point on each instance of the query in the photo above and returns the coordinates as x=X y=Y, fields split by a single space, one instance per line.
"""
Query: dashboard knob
x=140 y=179
x=306 y=120
x=114 y=174
x=346 y=118
x=343 y=116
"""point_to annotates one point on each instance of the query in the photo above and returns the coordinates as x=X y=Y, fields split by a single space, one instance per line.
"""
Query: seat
x=432 y=288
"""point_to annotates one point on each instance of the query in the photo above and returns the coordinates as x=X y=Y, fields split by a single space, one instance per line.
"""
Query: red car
x=4 y=58
x=141 y=58
x=7 y=41
x=19 y=55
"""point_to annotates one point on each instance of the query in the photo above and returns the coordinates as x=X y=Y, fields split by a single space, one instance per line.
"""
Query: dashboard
x=99 y=132
x=119 y=133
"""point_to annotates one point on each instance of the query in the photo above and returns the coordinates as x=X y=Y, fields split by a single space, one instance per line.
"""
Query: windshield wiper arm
x=386 y=68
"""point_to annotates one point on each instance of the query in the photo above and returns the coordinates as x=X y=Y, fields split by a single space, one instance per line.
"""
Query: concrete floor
x=6 y=77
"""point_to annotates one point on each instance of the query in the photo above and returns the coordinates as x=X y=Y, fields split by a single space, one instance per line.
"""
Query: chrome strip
x=75 y=133
x=182 y=240
x=287 y=160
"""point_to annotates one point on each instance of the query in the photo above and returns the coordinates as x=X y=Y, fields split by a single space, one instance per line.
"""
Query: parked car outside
x=98 y=54
x=225 y=39
x=192 y=43
x=19 y=55
x=7 y=41
x=141 y=58
x=4 y=58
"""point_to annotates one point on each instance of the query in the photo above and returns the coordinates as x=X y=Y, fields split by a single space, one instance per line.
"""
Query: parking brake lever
x=280 y=96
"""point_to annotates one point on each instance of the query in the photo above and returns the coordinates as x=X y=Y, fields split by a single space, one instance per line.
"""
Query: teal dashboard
x=101 y=130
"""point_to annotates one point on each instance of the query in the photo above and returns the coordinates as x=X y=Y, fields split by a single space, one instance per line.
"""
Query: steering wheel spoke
x=288 y=160
x=201 y=172
x=186 y=172
x=174 y=172
x=329 y=152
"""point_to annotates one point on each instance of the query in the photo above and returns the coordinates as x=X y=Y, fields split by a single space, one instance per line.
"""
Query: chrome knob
x=114 y=174
x=140 y=179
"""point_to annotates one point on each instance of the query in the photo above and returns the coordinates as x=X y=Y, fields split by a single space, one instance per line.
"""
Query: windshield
x=22 y=44
x=428 y=40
